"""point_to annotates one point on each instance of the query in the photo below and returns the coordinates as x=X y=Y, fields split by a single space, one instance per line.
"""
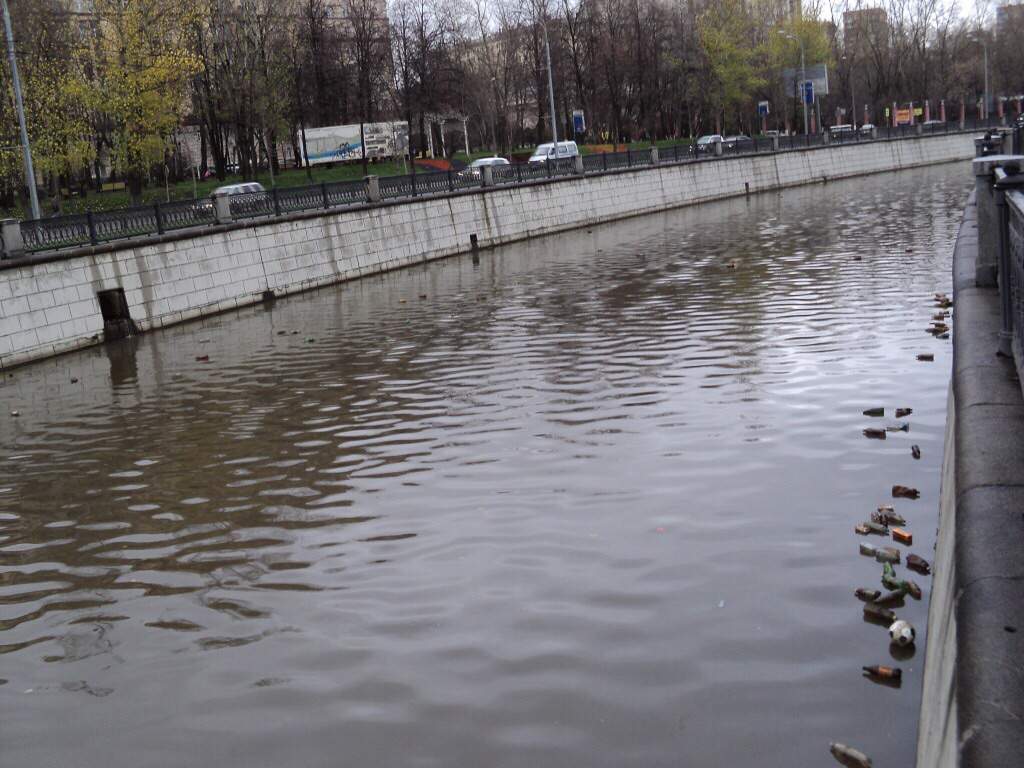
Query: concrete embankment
x=973 y=700
x=52 y=305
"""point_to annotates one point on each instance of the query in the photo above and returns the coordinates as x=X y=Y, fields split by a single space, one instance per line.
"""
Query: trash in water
x=888 y=517
x=926 y=357
x=15 y=414
x=903 y=492
x=902 y=633
x=887 y=555
x=848 y=756
x=889 y=580
x=867 y=549
x=882 y=672
x=423 y=295
x=862 y=529
x=940 y=315
x=74 y=380
x=942 y=336
x=885 y=508
x=875 y=611
x=282 y=333
x=875 y=434
x=902 y=536
x=915 y=451
x=867 y=595
x=310 y=339
x=919 y=564
x=202 y=358
x=875 y=412
x=899 y=427
x=204 y=341
x=879 y=528
x=911 y=588
x=901 y=412
x=888 y=598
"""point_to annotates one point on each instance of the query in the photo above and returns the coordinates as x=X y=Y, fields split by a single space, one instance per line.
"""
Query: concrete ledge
x=987 y=429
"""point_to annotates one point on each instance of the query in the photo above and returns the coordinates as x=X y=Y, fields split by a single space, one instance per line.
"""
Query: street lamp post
x=30 y=175
x=853 y=93
x=803 y=75
x=551 y=88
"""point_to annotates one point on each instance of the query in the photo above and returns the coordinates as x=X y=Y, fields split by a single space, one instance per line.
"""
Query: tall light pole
x=30 y=175
x=984 y=44
x=803 y=75
x=551 y=87
x=853 y=92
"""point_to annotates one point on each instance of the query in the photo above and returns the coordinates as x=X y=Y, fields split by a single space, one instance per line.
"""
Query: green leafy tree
x=142 y=66
x=727 y=36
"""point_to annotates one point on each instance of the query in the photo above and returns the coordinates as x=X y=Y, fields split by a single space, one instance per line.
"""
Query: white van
x=545 y=152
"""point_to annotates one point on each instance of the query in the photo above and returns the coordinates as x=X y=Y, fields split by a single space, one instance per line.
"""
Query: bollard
x=13 y=242
x=775 y=143
x=487 y=176
x=825 y=137
x=222 y=208
x=577 y=165
x=654 y=155
x=919 y=128
x=874 y=132
x=372 y=189
x=718 y=147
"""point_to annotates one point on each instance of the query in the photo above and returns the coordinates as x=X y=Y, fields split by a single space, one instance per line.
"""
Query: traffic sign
x=808 y=92
x=762 y=107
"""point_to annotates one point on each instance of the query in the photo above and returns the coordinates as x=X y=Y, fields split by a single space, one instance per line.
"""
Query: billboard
x=816 y=73
x=341 y=143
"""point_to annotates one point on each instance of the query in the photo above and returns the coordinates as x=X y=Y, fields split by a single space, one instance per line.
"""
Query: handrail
x=93 y=228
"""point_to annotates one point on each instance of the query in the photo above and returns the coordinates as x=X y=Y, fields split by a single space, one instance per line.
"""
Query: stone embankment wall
x=972 y=713
x=50 y=305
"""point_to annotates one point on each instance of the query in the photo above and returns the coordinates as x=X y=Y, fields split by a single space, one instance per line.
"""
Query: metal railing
x=59 y=232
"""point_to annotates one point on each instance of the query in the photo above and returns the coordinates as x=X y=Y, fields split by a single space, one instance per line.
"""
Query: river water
x=587 y=503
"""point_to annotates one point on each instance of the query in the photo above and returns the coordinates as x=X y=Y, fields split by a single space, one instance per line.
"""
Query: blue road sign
x=808 y=92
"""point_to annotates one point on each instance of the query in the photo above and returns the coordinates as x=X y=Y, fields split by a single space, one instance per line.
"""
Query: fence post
x=277 y=201
x=222 y=208
x=13 y=242
x=486 y=176
x=718 y=147
x=159 y=219
x=629 y=158
x=919 y=128
x=323 y=195
x=577 y=165
x=451 y=182
x=373 y=189
x=519 y=173
x=775 y=143
x=91 y=222
x=874 y=132
x=604 y=160
x=548 y=164
x=654 y=155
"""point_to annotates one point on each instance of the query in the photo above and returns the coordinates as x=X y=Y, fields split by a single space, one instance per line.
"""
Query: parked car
x=842 y=131
x=244 y=188
x=545 y=152
x=475 y=169
x=933 y=125
x=866 y=129
x=737 y=142
x=707 y=143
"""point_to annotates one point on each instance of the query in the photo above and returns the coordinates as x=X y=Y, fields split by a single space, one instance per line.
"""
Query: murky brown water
x=589 y=503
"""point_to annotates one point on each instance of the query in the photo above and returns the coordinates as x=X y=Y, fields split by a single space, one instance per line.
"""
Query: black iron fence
x=94 y=228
